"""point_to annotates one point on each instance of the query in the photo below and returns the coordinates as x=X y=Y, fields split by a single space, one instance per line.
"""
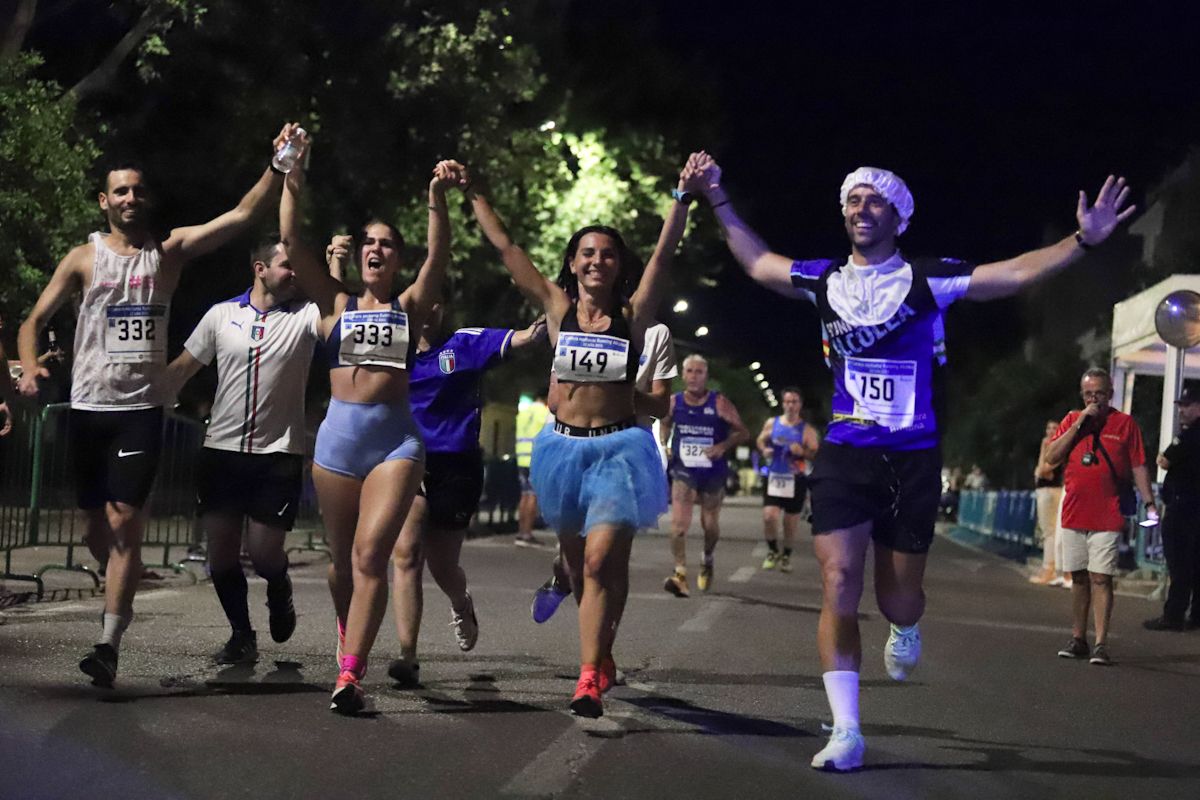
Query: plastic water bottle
x=288 y=152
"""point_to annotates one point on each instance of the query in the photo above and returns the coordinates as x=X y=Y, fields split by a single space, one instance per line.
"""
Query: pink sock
x=354 y=664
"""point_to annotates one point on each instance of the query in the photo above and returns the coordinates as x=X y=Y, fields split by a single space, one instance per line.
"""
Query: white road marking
x=742 y=575
x=553 y=770
x=142 y=597
x=704 y=618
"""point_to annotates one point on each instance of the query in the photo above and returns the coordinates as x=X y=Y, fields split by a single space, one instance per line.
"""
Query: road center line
x=742 y=575
x=704 y=618
x=552 y=771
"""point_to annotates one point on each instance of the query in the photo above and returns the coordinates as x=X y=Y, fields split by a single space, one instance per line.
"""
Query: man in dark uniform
x=1181 y=520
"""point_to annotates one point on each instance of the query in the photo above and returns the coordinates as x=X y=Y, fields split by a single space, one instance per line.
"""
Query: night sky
x=995 y=115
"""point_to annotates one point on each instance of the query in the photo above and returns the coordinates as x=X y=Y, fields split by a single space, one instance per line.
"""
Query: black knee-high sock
x=231 y=591
x=787 y=551
x=772 y=545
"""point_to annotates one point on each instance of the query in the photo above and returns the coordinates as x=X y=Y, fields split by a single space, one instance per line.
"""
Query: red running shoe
x=607 y=676
x=586 y=702
x=348 y=698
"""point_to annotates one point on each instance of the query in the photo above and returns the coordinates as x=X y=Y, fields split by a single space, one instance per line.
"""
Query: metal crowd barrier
x=1011 y=517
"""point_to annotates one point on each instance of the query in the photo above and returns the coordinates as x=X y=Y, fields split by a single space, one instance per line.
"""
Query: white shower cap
x=887 y=184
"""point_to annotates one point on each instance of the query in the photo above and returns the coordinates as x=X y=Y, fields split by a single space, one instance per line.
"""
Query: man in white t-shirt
x=652 y=401
x=249 y=472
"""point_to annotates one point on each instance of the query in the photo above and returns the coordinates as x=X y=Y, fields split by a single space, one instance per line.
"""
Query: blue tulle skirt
x=615 y=479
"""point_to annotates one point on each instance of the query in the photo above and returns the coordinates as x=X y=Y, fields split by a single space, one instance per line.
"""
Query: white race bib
x=883 y=390
x=781 y=485
x=377 y=338
x=693 y=451
x=590 y=357
x=136 y=333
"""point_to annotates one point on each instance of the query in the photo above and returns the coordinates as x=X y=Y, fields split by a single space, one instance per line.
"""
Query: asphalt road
x=724 y=696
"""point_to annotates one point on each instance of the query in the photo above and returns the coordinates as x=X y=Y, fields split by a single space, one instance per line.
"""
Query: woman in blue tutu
x=597 y=474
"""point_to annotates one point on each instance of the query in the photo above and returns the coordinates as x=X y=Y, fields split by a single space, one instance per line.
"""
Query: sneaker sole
x=831 y=766
x=1076 y=656
x=405 y=677
x=673 y=589
x=587 y=707
x=100 y=674
x=1100 y=662
x=281 y=632
x=229 y=662
x=346 y=701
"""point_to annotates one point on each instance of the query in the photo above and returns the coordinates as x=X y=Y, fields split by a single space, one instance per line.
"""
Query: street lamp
x=758 y=376
x=548 y=125
x=702 y=330
x=755 y=365
x=680 y=306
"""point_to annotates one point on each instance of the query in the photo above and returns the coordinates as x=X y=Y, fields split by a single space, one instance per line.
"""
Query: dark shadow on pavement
x=710 y=721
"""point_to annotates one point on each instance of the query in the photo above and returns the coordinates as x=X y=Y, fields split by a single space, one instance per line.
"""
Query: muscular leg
x=225 y=567
x=127 y=524
x=842 y=556
x=408 y=564
x=710 y=518
x=98 y=536
x=443 y=549
x=387 y=494
x=770 y=517
x=605 y=581
x=683 y=498
x=339 y=498
x=1102 y=603
x=1081 y=601
x=570 y=552
x=898 y=585
x=791 y=524
x=265 y=545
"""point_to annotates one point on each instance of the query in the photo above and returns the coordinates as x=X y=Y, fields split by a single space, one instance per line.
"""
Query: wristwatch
x=682 y=197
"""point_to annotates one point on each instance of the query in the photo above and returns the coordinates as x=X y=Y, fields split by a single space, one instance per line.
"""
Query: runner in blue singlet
x=788 y=445
x=878 y=475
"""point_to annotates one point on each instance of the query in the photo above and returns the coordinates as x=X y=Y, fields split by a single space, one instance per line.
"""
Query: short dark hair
x=793 y=390
x=628 y=276
x=121 y=165
x=264 y=249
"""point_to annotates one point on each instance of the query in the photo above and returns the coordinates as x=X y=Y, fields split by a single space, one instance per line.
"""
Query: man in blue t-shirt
x=444 y=390
x=878 y=475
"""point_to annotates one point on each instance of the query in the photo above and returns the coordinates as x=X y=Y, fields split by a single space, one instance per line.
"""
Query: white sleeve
x=313 y=321
x=202 y=344
x=948 y=290
x=665 y=367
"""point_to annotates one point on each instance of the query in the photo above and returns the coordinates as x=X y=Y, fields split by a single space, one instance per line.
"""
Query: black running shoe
x=406 y=674
x=1100 y=656
x=100 y=665
x=242 y=648
x=1076 y=648
x=1163 y=624
x=283 y=613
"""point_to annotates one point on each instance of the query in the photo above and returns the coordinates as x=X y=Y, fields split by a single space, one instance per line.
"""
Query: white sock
x=841 y=688
x=114 y=628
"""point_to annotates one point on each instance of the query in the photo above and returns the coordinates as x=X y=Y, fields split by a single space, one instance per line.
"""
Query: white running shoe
x=902 y=652
x=466 y=627
x=843 y=753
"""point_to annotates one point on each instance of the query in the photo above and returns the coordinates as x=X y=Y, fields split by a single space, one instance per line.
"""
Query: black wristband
x=1079 y=241
x=275 y=169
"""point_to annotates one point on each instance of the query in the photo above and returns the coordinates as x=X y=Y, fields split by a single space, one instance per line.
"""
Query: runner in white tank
x=117 y=392
x=652 y=401
x=250 y=470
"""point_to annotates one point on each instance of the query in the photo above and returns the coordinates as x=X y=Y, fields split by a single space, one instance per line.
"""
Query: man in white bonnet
x=877 y=478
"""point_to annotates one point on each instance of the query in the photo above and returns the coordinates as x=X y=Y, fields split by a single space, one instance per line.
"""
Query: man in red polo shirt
x=1101 y=449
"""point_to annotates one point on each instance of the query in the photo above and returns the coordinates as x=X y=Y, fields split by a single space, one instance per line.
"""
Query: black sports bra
x=595 y=356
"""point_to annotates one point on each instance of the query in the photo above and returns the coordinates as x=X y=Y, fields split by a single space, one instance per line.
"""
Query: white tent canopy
x=1138 y=350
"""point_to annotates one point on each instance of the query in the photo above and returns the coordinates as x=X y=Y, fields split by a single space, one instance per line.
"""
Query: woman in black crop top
x=597 y=475
x=369 y=457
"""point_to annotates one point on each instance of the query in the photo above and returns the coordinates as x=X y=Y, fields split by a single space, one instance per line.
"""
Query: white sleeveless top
x=121 y=336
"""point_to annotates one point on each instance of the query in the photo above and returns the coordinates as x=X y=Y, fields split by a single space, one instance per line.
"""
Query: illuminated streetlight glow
x=548 y=125
x=756 y=365
x=680 y=306
x=702 y=330
x=758 y=376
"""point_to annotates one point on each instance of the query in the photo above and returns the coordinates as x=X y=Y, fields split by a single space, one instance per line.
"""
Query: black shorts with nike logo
x=115 y=455
x=262 y=486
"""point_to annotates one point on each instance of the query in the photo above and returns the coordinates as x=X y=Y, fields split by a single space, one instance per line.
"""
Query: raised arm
x=1004 y=278
x=654 y=279
x=535 y=286
x=337 y=256
x=66 y=280
x=184 y=244
x=535 y=333
x=427 y=288
x=770 y=269
x=314 y=281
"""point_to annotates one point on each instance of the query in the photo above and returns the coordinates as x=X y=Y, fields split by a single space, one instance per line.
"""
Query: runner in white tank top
x=126 y=278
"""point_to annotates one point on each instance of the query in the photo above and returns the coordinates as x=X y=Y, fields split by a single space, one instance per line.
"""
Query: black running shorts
x=452 y=486
x=790 y=505
x=115 y=455
x=896 y=490
x=262 y=486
